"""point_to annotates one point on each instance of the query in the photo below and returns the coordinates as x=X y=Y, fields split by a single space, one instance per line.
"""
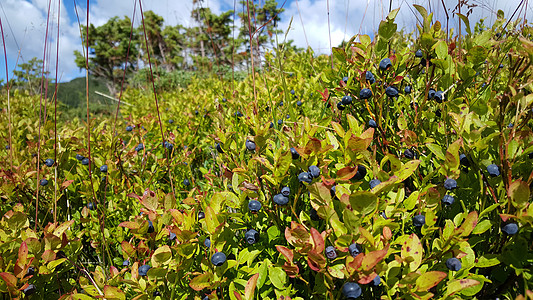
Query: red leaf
x=346 y=173
x=318 y=240
x=289 y=255
x=316 y=261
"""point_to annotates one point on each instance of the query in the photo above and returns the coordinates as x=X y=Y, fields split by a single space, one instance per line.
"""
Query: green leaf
x=466 y=21
x=211 y=220
x=482 y=227
x=412 y=252
x=519 y=193
x=429 y=279
x=468 y=225
x=339 y=54
x=407 y=170
x=488 y=260
x=477 y=55
x=437 y=150
x=201 y=281
x=363 y=202
x=161 y=256
x=455 y=285
x=113 y=293
x=278 y=277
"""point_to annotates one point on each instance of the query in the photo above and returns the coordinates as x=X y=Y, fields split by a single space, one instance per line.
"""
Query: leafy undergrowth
x=403 y=172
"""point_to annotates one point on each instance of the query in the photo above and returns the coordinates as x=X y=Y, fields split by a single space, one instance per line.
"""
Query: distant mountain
x=72 y=93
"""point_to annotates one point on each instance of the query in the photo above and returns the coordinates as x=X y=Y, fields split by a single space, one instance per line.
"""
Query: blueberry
x=150 y=226
x=30 y=272
x=281 y=103
x=280 y=121
x=250 y=145
x=292 y=92
x=450 y=184
x=391 y=91
x=493 y=170
x=271 y=124
x=251 y=236
x=49 y=162
x=43 y=182
x=186 y=182
x=239 y=114
x=351 y=290
x=372 y=124
x=418 y=53
x=171 y=236
x=156 y=293
x=419 y=220
x=345 y=79
x=530 y=155
x=365 y=94
x=439 y=96
x=385 y=63
x=196 y=113
x=330 y=252
x=453 y=264
x=340 y=106
x=201 y=215
x=333 y=191
x=207 y=243
x=376 y=281
x=510 y=125
x=7 y=147
x=168 y=145
x=374 y=182
x=510 y=229
x=407 y=89
x=254 y=206
x=448 y=200
x=279 y=199
x=313 y=171
x=299 y=103
x=483 y=85
x=30 y=289
x=314 y=215
x=286 y=191
x=294 y=153
x=126 y=263
x=91 y=206
x=346 y=100
x=103 y=169
x=501 y=66
x=218 y=259
x=464 y=160
x=431 y=94
x=170 y=121
x=408 y=153
x=85 y=161
x=370 y=77
x=139 y=147
x=224 y=99
x=354 y=249
x=304 y=177
x=361 y=173
x=219 y=148
x=143 y=270
x=129 y=128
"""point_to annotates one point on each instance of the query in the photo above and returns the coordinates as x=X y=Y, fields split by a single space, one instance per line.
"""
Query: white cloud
x=24 y=22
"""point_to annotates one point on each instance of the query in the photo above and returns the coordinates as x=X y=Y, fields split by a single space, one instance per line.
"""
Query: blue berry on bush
x=453 y=264
x=407 y=89
x=305 y=177
x=448 y=200
x=49 y=162
x=219 y=148
x=419 y=220
x=43 y=182
x=218 y=259
x=29 y=290
x=345 y=79
x=346 y=100
x=286 y=191
x=333 y=190
x=313 y=171
x=408 y=153
x=201 y=215
x=126 y=263
x=279 y=199
x=385 y=63
x=207 y=242
x=431 y=94
x=493 y=170
x=374 y=182
x=510 y=229
x=250 y=145
x=129 y=128
x=292 y=92
x=143 y=270
x=365 y=94
x=103 y=169
x=280 y=121
x=340 y=106
x=85 y=161
x=139 y=147
x=464 y=160
x=439 y=96
x=330 y=252
x=91 y=206
x=251 y=236
x=294 y=153
x=79 y=157
x=150 y=226
x=372 y=124
x=254 y=206
x=450 y=184
x=391 y=91
x=354 y=249
x=376 y=281
x=361 y=173
x=418 y=53
x=186 y=182
x=370 y=77
x=171 y=236
x=299 y=103
x=351 y=290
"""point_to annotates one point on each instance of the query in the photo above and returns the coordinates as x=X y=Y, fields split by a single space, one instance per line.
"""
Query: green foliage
x=143 y=212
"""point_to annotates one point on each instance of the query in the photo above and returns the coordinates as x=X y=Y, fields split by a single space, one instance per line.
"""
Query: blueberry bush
x=398 y=168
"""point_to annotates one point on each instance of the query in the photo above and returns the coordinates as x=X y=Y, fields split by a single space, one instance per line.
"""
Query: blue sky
x=24 y=22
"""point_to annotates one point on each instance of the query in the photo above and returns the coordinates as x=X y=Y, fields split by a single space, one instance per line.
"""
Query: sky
x=24 y=22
